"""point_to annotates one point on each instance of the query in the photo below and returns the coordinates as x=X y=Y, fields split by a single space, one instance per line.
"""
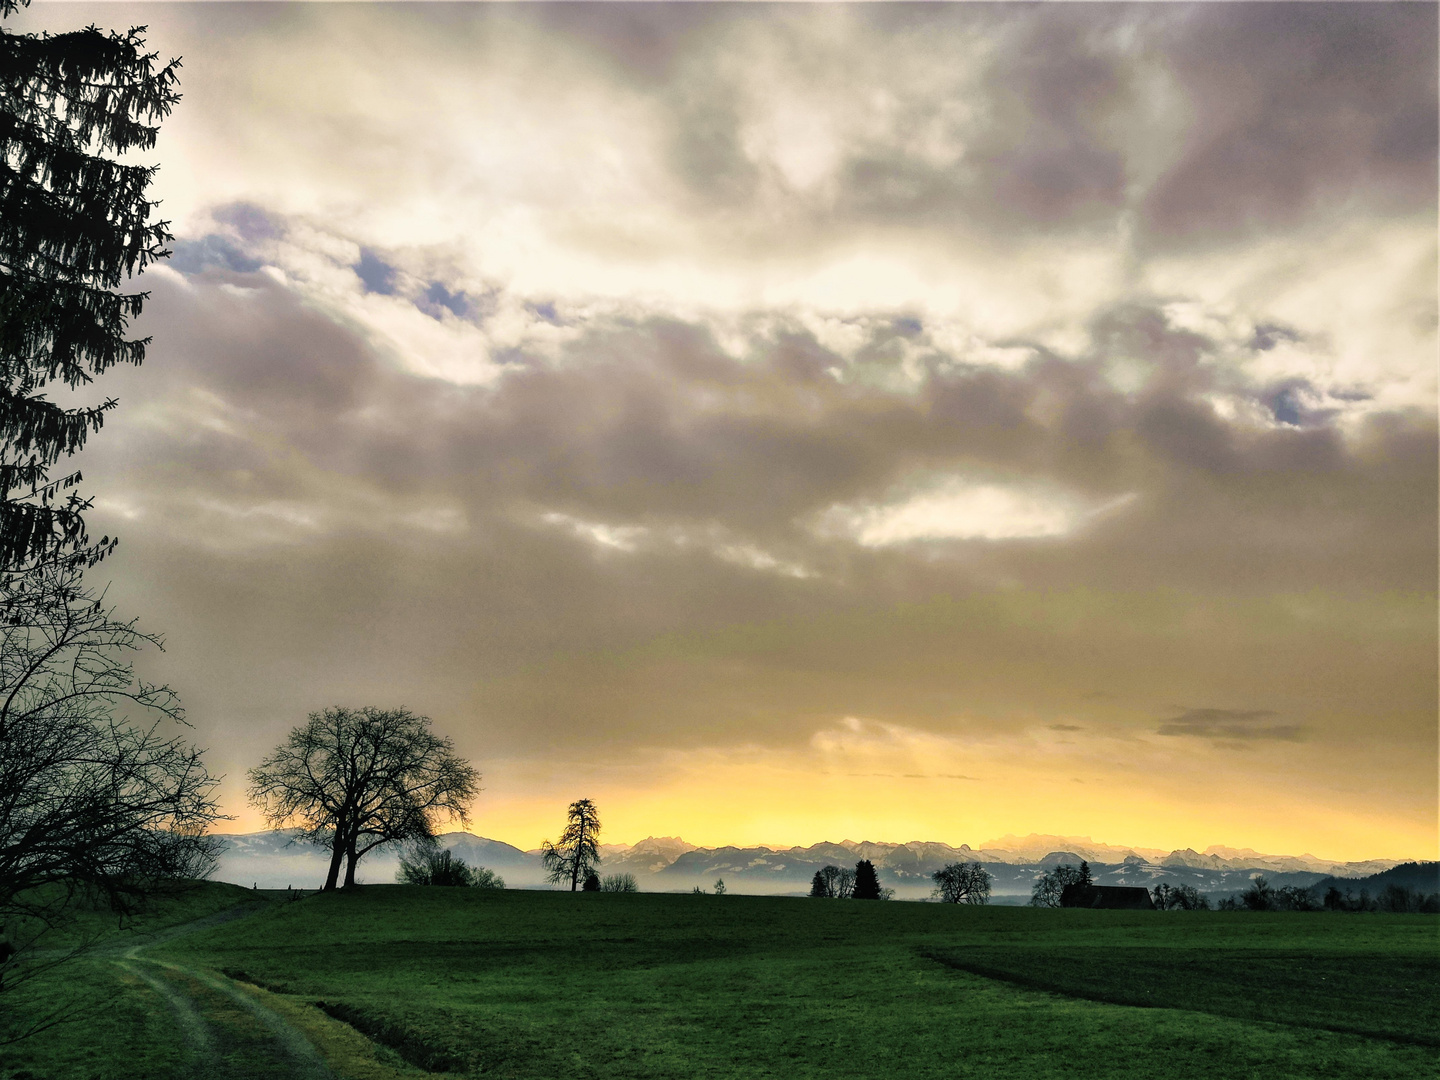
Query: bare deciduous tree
x=1049 y=885
x=577 y=854
x=100 y=798
x=962 y=883
x=353 y=779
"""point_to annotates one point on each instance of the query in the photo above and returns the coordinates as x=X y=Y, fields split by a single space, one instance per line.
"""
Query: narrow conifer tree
x=578 y=853
x=867 y=883
x=74 y=224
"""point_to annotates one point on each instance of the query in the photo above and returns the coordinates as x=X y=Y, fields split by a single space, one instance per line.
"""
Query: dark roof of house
x=1121 y=897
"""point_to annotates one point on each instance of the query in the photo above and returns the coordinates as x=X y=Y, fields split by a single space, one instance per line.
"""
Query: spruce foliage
x=867 y=882
x=75 y=222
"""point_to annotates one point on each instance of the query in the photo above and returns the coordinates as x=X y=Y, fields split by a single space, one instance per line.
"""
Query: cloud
x=1240 y=725
x=1294 y=108
x=689 y=377
x=957 y=509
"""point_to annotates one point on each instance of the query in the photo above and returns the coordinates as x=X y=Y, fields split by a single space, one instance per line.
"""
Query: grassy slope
x=116 y=1027
x=523 y=984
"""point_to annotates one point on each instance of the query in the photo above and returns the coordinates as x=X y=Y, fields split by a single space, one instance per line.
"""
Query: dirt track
x=230 y=1033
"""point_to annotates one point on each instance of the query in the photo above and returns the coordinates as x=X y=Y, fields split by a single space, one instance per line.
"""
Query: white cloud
x=957 y=508
x=618 y=537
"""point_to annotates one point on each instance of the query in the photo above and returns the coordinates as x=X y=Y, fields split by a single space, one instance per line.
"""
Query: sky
x=786 y=424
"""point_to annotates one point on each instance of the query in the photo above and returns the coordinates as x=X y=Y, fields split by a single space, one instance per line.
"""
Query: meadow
x=392 y=981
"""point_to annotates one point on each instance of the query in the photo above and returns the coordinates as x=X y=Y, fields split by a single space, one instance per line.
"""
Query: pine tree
x=867 y=883
x=818 y=887
x=74 y=224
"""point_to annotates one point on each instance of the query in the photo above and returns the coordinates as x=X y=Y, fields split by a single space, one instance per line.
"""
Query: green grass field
x=543 y=985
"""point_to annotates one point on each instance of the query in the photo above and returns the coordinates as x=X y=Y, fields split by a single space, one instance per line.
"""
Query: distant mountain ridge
x=274 y=860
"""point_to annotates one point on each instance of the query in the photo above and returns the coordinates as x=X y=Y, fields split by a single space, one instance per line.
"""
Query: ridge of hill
x=1424 y=877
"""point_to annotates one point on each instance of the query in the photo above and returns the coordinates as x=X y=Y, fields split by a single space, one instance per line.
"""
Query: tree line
x=1393 y=899
x=955 y=883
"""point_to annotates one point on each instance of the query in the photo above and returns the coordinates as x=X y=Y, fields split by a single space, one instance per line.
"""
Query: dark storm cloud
x=1240 y=725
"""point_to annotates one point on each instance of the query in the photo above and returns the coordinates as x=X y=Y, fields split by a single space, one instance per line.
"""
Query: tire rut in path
x=287 y=1046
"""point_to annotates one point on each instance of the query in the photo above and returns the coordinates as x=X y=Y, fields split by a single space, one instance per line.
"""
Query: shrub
x=1169 y=897
x=426 y=865
x=619 y=883
x=482 y=878
x=1260 y=896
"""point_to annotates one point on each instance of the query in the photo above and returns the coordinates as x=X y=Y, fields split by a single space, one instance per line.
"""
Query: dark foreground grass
x=531 y=985
x=1382 y=996
x=111 y=1025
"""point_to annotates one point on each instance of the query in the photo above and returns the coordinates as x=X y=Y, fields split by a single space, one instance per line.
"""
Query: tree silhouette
x=1050 y=884
x=867 y=884
x=353 y=779
x=591 y=882
x=818 y=886
x=74 y=224
x=578 y=852
x=962 y=883
x=89 y=804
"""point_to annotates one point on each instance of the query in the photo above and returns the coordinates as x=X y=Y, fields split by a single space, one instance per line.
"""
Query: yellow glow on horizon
x=861 y=780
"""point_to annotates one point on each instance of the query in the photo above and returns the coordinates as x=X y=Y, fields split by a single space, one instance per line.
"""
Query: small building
x=1110 y=897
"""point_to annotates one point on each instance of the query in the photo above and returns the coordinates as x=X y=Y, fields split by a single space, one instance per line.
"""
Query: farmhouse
x=1119 y=897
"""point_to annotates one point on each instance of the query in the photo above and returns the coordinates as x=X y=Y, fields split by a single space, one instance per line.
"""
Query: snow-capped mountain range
x=669 y=864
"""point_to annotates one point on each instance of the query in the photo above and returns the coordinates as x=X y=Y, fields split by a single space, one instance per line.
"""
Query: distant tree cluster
x=862 y=883
x=1394 y=899
x=962 y=883
x=1169 y=897
x=619 y=883
x=1050 y=884
x=424 y=863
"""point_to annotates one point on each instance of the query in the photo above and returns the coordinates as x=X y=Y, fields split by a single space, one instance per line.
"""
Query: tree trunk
x=351 y=859
x=336 y=853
